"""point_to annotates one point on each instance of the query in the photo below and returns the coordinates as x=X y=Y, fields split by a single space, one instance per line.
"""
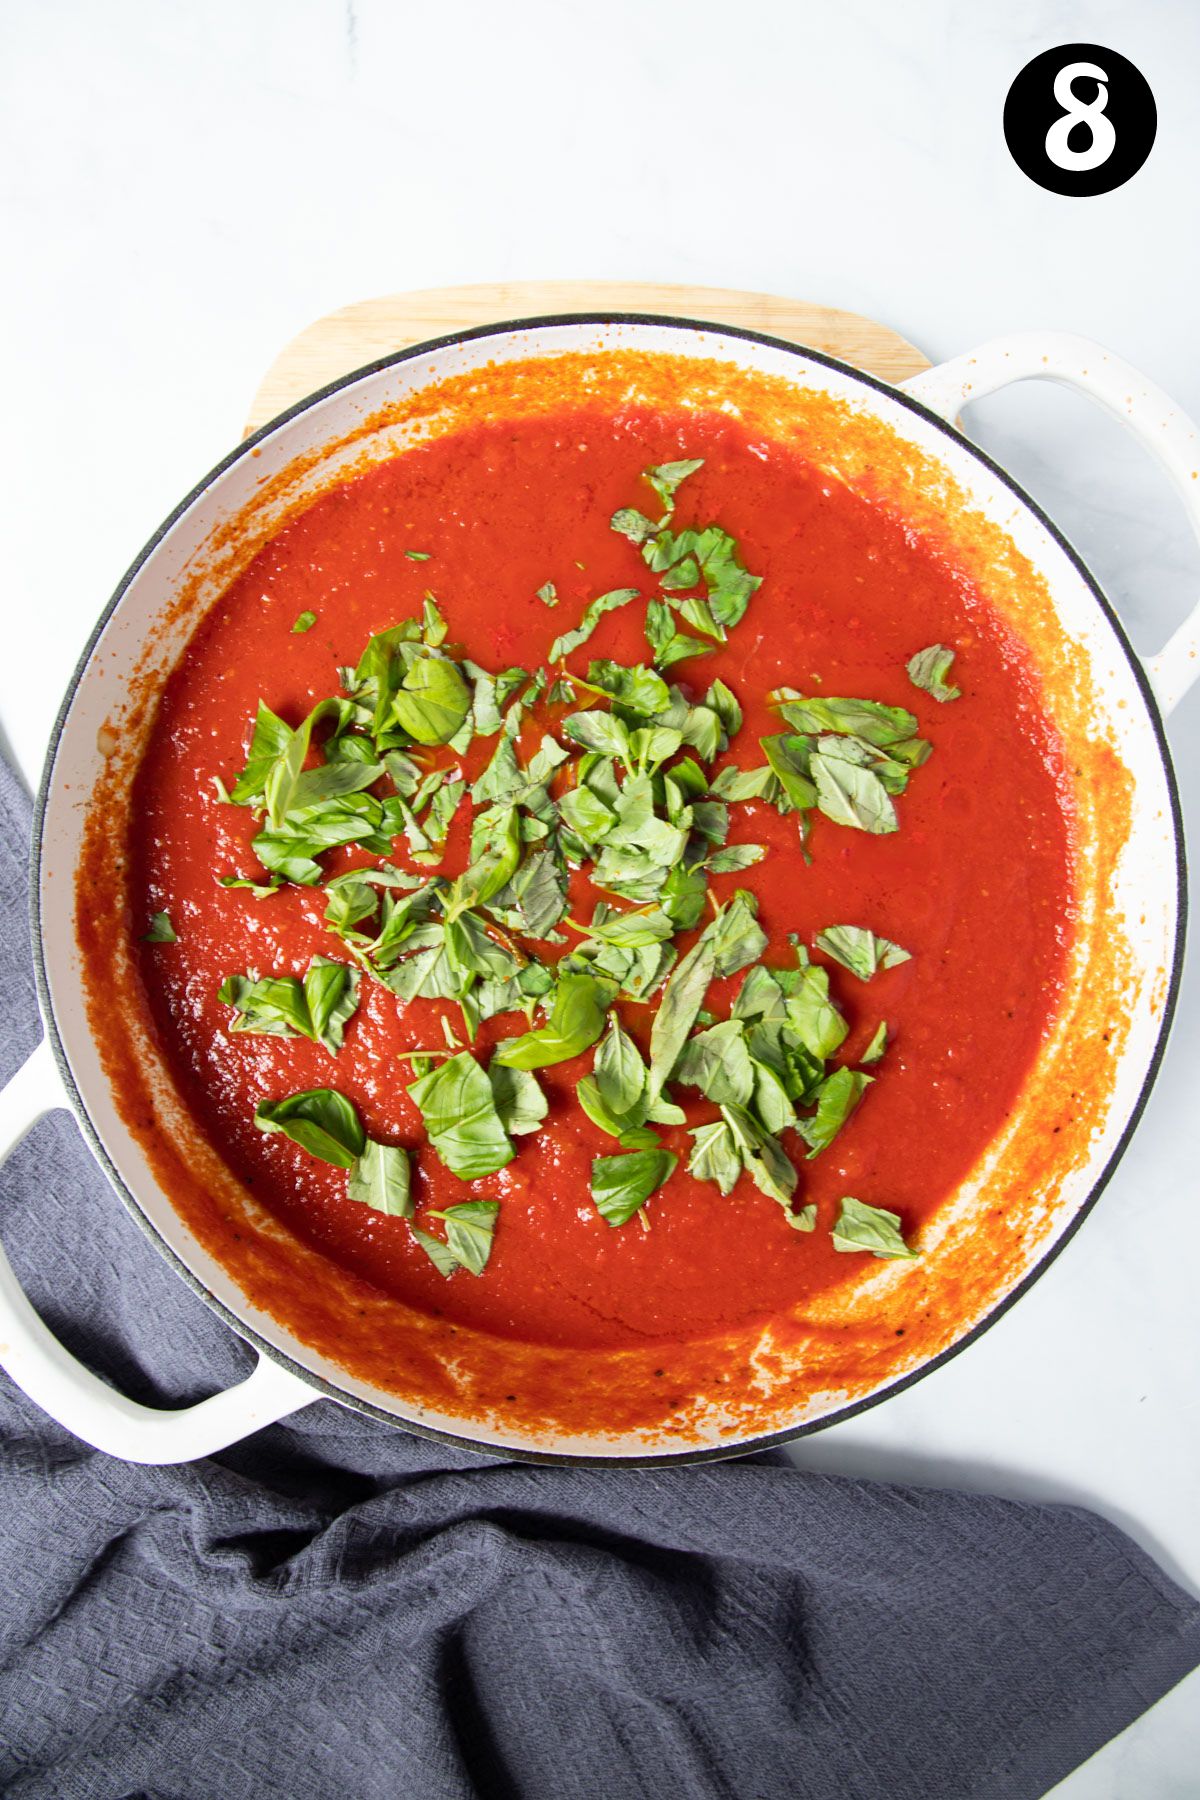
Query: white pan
x=1126 y=967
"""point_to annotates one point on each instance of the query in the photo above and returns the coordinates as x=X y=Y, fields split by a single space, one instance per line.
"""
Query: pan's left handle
x=61 y=1385
x=1153 y=418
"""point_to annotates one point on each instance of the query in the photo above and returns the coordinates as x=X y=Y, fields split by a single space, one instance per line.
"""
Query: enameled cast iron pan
x=1125 y=968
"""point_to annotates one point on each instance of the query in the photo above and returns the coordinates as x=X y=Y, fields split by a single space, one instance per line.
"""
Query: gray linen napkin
x=334 y=1608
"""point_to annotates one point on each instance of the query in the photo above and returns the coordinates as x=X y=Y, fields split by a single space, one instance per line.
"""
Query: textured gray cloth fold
x=333 y=1608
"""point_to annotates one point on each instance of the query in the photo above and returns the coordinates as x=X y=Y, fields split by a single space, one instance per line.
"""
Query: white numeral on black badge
x=1102 y=139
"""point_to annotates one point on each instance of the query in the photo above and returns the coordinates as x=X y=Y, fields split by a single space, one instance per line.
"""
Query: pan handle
x=69 y=1392
x=1153 y=418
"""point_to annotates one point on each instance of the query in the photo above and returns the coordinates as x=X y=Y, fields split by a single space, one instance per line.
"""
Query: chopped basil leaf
x=606 y=603
x=282 y=1006
x=737 y=937
x=305 y=622
x=734 y=858
x=439 y=1254
x=461 y=1116
x=860 y=950
x=520 y=1102
x=850 y=795
x=868 y=719
x=160 y=930
x=718 y=1062
x=812 y=1015
x=665 y=479
x=470 y=1231
x=682 y=999
x=877 y=1045
x=548 y=594
x=417 y=555
x=321 y=1121
x=715 y=1155
x=863 y=1227
x=622 y=1184
x=432 y=703
x=576 y=1021
x=382 y=1179
x=837 y=1098
x=765 y=1160
x=929 y=668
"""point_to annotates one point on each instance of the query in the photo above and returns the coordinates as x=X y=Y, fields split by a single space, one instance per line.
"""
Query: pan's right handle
x=61 y=1385
x=1153 y=418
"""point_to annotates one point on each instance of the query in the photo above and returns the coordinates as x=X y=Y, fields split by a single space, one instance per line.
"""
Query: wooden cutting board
x=362 y=333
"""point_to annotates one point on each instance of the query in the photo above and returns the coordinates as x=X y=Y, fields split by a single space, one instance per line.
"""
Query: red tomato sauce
x=976 y=884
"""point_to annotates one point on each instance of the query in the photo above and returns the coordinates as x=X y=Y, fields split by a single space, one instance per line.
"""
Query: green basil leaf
x=275 y=1007
x=606 y=603
x=536 y=897
x=548 y=594
x=772 y=1105
x=789 y=759
x=877 y=1045
x=736 y=936
x=837 y=1098
x=470 y=1231
x=495 y=868
x=683 y=895
x=434 y=629
x=860 y=950
x=682 y=999
x=417 y=555
x=631 y=930
x=760 y=997
x=520 y=1102
x=765 y=1160
x=700 y=727
x=576 y=1021
x=732 y=783
x=331 y=998
x=305 y=622
x=382 y=1180
x=633 y=524
x=161 y=930
x=330 y=781
x=869 y=719
x=620 y=1074
x=725 y=704
x=461 y=1118
x=666 y=478
x=599 y=731
x=622 y=1184
x=803 y=1219
x=873 y=1228
x=639 y=689
x=262 y=890
x=734 y=858
x=812 y=1015
x=433 y=701
x=715 y=1155
x=586 y=814
x=668 y=644
x=439 y=1254
x=850 y=795
x=269 y=742
x=321 y=1121
x=281 y=1006
x=929 y=668
x=717 y=1062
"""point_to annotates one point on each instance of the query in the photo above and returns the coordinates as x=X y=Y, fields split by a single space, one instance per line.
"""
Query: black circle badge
x=1080 y=119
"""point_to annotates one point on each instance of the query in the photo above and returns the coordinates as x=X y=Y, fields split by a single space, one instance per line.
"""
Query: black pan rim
x=722 y=1452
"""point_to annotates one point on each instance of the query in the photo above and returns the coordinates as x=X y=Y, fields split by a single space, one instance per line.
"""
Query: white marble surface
x=183 y=187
